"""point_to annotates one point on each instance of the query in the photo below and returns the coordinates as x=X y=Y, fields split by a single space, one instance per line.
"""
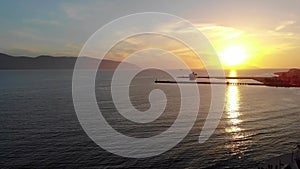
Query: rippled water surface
x=39 y=127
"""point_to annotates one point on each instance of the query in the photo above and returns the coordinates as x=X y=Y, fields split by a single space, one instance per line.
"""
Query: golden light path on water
x=233 y=116
x=232 y=105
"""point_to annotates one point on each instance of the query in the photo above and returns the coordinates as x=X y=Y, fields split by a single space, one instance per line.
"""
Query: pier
x=197 y=82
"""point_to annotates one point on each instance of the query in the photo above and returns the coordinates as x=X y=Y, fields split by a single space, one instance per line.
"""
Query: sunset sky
x=263 y=33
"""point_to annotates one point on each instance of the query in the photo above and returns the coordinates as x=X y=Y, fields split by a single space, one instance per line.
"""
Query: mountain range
x=8 y=62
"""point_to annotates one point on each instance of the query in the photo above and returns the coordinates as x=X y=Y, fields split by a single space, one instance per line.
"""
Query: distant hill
x=50 y=62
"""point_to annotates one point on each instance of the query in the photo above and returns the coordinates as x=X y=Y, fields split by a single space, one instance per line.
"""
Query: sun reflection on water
x=233 y=116
x=232 y=105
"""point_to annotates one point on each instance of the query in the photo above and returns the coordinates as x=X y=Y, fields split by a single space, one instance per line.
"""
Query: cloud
x=214 y=31
x=69 y=49
x=25 y=34
x=75 y=12
x=42 y=21
x=284 y=25
x=20 y=52
x=89 y=11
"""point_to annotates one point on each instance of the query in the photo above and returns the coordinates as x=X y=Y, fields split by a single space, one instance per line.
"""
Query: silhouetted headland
x=8 y=62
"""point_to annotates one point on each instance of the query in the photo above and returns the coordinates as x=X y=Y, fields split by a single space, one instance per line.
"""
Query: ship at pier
x=290 y=78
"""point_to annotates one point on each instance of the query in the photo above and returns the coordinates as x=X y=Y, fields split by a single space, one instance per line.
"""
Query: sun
x=233 y=56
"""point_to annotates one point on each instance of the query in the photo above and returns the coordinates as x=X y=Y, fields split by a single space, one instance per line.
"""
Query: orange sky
x=267 y=32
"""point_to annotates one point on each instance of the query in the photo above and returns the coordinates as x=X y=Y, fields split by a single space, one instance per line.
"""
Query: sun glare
x=233 y=56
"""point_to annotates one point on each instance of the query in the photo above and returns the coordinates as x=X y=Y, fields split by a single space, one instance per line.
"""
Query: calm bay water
x=39 y=127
